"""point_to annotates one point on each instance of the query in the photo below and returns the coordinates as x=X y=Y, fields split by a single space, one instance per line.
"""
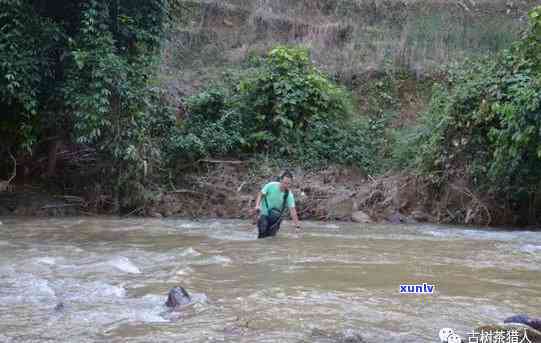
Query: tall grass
x=345 y=36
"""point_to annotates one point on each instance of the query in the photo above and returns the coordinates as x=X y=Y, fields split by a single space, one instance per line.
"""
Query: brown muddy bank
x=227 y=189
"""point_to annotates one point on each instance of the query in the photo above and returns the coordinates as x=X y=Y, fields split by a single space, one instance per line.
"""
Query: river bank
x=228 y=188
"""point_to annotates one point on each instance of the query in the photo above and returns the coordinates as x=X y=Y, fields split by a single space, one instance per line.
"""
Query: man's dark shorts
x=267 y=228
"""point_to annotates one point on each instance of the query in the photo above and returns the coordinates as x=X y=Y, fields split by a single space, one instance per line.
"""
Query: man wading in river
x=271 y=204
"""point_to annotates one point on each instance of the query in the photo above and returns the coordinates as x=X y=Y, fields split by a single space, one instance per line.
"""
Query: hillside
x=350 y=39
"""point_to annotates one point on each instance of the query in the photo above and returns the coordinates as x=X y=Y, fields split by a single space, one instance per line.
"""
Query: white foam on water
x=47 y=260
x=531 y=248
x=477 y=234
x=200 y=298
x=102 y=289
x=231 y=235
x=189 y=252
x=215 y=225
x=440 y=233
x=73 y=291
x=185 y=271
x=217 y=259
x=190 y=226
x=148 y=317
x=331 y=226
x=124 y=264
x=6 y=270
x=154 y=299
x=42 y=288
x=26 y=288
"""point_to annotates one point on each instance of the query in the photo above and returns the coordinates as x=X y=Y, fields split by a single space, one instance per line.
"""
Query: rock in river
x=177 y=296
x=361 y=217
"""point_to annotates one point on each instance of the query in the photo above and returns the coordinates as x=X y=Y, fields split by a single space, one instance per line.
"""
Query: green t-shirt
x=275 y=197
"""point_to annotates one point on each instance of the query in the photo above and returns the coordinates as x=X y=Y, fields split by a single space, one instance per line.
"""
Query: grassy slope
x=353 y=40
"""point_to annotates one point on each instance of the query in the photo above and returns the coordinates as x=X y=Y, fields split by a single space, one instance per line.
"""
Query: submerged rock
x=177 y=296
x=526 y=320
x=59 y=307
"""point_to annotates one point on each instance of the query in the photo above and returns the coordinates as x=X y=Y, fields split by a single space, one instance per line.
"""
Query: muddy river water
x=112 y=277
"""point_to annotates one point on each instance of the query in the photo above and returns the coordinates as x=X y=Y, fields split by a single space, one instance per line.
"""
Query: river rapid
x=112 y=277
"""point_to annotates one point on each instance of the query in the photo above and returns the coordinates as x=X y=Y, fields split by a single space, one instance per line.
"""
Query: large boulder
x=340 y=206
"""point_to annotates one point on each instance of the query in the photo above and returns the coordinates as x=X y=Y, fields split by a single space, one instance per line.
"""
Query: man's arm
x=295 y=217
x=258 y=201
x=260 y=195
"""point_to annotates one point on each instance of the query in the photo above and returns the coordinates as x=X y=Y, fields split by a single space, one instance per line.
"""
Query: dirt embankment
x=227 y=189
x=333 y=193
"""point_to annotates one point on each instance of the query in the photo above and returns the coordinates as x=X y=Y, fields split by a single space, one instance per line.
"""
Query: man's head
x=285 y=180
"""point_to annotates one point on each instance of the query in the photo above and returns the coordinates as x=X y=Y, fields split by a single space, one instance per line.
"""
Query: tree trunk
x=51 y=163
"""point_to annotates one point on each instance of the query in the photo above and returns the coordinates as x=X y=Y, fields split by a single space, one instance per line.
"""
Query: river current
x=111 y=277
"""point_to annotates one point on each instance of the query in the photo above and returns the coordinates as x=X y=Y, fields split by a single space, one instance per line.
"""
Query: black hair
x=286 y=173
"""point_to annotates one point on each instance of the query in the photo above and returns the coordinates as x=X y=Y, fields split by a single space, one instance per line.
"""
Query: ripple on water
x=6 y=270
x=531 y=248
x=331 y=226
x=47 y=260
x=475 y=234
x=124 y=264
x=93 y=292
x=184 y=271
x=225 y=231
x=188 y=252
x=216 y=259
x=26 y=289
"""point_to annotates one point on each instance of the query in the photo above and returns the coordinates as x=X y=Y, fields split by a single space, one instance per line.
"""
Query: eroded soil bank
x=227 y=189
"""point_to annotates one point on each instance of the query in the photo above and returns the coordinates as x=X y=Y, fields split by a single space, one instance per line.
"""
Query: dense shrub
x=282 y=105
x=486 y=121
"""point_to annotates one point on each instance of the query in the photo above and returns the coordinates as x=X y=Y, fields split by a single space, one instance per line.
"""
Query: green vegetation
x=80 y=72
x=84 y=73
x=283 y=106
x=484 y=123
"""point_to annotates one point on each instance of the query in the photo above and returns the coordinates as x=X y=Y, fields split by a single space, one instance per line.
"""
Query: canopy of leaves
x=81 y=71
x=76 y=68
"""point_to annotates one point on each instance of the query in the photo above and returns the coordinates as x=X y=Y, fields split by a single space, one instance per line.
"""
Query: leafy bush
x=281 y=104
x=486 y=120
x=357 y=142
